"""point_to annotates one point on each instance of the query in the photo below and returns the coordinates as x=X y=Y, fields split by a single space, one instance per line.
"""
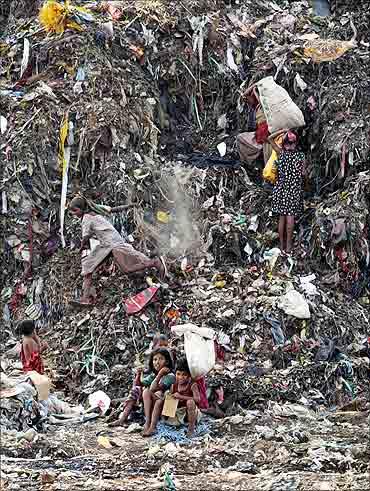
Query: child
x=159 y=380
x=31 y=348
x=215 y=395
x=187 y=393
x=159 y=341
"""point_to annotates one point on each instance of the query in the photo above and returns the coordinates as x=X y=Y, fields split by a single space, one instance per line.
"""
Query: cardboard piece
x=41 y=383
x=170 y=406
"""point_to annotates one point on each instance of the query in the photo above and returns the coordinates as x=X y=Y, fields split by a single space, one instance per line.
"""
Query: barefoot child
x=187 y=393
x=31 y=348
x=136 y=393
x=160 y=380
x=128 y=259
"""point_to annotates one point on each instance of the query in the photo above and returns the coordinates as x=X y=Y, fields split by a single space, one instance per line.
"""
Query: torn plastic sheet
x=26 y=56
x=64 y=159
x=198 y=24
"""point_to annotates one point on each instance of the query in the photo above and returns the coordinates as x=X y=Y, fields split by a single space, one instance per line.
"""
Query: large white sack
x=200 y=354
x=293 y=303
x=280 y=111
x=205 y=332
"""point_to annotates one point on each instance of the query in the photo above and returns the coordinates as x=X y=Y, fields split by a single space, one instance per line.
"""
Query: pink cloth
x=201 y=382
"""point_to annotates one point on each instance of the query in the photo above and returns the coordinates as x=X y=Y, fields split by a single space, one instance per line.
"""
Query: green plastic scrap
x=169 y=485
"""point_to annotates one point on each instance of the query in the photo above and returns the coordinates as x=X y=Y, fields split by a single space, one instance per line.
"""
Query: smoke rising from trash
x=176 y=229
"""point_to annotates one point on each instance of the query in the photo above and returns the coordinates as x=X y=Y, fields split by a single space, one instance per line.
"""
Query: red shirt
x=34 y=364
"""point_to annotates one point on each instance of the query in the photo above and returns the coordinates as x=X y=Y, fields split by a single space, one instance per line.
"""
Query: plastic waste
x=326 y=350
x=205 y=332
x=163 y=216
x=99 y=400
x=199 y=348
x=293 y=303
x=320 y=50
x=135 y=304
x=54 y=17
x=276 y=331
x=221 y=147
x=270 y=172
x=272 y=256
x=307 y=286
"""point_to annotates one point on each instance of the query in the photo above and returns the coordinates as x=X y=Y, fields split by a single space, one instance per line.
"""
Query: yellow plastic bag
x=55 y=17
x=320 y=50
x=270 y=171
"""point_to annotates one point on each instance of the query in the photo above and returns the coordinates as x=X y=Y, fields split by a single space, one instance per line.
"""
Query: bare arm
x=155 y=385
x=304 y=168
x=272 y=137
x=137 y=380
x=195 y=397
x=26 y=351
x=196 y=394
x=42 y=345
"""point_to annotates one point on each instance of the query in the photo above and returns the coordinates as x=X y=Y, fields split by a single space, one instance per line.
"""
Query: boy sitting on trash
x=186 y=392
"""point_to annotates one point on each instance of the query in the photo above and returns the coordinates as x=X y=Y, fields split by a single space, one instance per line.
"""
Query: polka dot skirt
x=288 y=191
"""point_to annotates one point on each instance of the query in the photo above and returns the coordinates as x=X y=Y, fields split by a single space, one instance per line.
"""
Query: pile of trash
x=28 y=407
x=139 y=104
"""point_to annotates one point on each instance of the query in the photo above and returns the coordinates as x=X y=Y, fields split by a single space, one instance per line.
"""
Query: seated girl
x=156 y=384
x=136 y=393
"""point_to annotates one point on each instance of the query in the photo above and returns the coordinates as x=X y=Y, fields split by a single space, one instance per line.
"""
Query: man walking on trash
x=128 y=259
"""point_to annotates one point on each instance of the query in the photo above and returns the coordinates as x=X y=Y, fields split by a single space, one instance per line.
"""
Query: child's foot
x=190 y=432
x=115 y=424
x=148 y=432
x=146 y=428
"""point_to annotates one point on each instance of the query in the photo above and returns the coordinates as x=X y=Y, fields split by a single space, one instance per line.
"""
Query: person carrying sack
x=251 y=144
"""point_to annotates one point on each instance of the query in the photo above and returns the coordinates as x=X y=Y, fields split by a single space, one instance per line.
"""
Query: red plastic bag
x=135 y=304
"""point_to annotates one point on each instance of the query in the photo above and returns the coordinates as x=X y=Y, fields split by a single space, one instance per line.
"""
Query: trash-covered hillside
x=138 y=104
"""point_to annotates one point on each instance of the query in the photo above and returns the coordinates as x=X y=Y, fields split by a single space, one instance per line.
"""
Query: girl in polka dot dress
x=287 y=199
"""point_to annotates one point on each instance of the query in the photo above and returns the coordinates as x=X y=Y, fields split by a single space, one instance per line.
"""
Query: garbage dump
x=162 y=118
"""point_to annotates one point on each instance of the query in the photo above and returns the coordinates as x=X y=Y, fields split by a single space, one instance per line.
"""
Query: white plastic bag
x=280 y=111
x=199 y=348
x=205 y=332
x=293 y=303
x=99 y=400
x=200 y=354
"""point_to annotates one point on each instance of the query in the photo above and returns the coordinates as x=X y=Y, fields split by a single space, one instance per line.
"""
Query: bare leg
x=148 y=402
x=140 y=266
x=215 y=411
x=289 y=232
x=192 y=416
x=125 y=414
x=86 y=288
x=156 y=414
x=282 y=222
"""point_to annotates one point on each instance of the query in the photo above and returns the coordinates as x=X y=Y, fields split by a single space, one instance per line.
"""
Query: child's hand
x=44 y=346
x=163 y=371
